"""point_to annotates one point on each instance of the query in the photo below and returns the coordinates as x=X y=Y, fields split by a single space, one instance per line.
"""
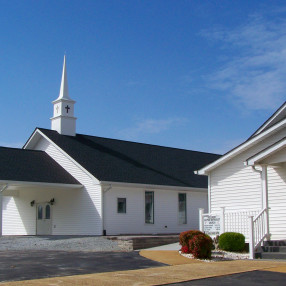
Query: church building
x=65 y=183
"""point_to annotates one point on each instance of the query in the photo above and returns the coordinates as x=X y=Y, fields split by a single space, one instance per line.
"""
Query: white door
x=44 y=221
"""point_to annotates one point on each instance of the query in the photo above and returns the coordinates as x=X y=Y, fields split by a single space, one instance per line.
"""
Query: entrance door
x=44 y=221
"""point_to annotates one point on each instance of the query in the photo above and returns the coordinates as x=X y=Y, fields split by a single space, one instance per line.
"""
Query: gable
x=272 y=126
x=277 y=116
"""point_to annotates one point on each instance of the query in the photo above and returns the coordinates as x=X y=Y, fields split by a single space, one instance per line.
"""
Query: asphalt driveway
x=252 y=278
x=26 y=265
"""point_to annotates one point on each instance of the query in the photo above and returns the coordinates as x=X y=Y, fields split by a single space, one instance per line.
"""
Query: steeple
x=63 y=120
x=64 y=90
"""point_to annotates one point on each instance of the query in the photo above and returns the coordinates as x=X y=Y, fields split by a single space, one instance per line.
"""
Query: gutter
x=103 y=204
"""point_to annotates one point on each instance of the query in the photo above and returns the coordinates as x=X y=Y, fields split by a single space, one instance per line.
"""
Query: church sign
x=212 y=224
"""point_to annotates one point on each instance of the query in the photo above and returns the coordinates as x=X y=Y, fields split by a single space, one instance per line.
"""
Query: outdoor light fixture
x=52 y=201
x=32 y=203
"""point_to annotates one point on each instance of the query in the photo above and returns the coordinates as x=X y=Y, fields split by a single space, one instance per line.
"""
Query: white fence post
x=222 y=220
x=201 y=212
x=251 y=238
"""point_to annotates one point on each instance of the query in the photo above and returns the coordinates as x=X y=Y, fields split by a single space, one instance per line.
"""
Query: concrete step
x=270 y=255
x=141 y=242
x=281 y=249
x=275 y=243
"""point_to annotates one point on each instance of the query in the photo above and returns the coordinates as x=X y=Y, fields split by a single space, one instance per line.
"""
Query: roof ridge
x=133 y=142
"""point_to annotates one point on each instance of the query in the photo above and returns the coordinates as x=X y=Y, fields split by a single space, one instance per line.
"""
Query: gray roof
x=129 y=162
x=31 y=166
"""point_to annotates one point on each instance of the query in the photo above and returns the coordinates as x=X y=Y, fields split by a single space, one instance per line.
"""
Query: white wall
x=19 y=218
x=238 y=187
x=76 y=212
x=277 y=202
x=165 y=211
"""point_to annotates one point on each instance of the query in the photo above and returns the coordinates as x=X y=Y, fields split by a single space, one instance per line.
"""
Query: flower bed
x=220 y=255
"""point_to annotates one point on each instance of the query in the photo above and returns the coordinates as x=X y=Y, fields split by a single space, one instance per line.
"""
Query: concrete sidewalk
x=173 y=246
x=181 y=269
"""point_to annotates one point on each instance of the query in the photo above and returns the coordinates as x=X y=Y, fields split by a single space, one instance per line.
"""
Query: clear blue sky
x=199 y=75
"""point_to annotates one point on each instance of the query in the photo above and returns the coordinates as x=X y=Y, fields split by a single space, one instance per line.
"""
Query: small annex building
x=65 y=183
x=248 y=183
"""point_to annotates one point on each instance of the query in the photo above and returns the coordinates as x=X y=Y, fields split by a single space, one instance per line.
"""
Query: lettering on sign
x=211 y=224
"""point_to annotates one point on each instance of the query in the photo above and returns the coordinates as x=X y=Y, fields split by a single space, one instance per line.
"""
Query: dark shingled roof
x=31 y=166
x=122 y=161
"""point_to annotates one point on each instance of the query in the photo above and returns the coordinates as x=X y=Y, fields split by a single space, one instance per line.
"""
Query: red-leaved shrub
x=201 y=246
x=185 y=249
x=187 y=235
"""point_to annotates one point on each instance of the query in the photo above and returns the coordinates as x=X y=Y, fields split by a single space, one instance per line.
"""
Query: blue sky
x=199 y=75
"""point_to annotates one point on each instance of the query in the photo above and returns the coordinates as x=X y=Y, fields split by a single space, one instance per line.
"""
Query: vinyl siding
x=165 y=211
x=237 y=187
x=277 y=202
x=81 y=213
x=75 y=212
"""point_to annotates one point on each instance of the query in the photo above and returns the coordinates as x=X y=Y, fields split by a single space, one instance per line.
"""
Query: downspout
x=260 y=172
x=103 y=208
x=264 y=193
x=1 y=191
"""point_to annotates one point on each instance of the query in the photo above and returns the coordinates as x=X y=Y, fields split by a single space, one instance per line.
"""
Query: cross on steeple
x=67 y=108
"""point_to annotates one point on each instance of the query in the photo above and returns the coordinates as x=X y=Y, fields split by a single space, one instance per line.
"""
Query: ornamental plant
x=232 y=241
x=201 y=246
x=187 y=236
x=185 y=249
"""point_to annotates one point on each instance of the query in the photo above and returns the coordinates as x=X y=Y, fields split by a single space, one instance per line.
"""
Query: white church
x=65 y=183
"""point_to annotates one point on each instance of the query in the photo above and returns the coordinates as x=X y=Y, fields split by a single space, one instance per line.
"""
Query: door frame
x=44 y=215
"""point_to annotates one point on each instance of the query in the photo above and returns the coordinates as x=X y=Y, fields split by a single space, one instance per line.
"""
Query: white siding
x=165 y=211
x=277 y=202
x=76 y=212
x=85 y=216
x=18 y=217
x=237 y=187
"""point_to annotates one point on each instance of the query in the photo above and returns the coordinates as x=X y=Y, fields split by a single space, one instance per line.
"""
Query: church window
x=149 y=207
x=121 y=205
x=182 y=209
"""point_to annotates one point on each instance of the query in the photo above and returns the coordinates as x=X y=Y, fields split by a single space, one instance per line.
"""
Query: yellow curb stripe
x=281 y=269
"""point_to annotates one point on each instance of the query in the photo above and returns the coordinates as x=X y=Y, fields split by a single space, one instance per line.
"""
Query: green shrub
x=231 y=241
x=201 y=246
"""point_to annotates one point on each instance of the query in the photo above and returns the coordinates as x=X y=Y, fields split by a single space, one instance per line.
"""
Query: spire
x=64 y=90
x=63 y=120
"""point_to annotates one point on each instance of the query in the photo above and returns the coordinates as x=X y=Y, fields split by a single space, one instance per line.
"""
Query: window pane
x=40 y=212
x=121 y=205
x=182 y=209
x=48 y=212
x=149 y=207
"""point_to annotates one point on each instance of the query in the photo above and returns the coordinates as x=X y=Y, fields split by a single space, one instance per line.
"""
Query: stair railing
x=258 y=231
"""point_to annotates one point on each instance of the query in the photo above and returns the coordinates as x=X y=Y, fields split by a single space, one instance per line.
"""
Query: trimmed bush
x=185 y=237
x=185 y=249
x=231 y=241
x=201 y=246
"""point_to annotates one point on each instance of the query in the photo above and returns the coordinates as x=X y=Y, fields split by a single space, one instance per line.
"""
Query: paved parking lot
x=253 y=278
x=25 y=265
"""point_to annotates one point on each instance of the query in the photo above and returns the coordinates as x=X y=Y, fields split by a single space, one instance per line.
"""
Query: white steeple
x=63 y=120
x=64 y=90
